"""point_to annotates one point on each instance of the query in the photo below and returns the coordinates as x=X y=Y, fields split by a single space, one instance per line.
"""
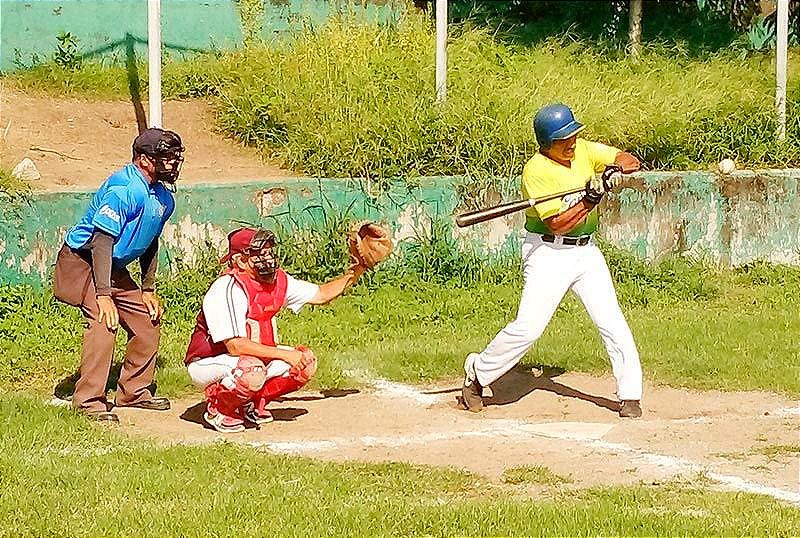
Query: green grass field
x=695 y=326
x=63 y=476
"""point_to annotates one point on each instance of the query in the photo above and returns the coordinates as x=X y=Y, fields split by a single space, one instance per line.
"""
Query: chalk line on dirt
x=585 y=433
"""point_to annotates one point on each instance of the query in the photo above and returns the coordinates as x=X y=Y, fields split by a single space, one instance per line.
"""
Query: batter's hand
x=594 y=191
x=108 y=312
x=627 y=163
x=611 y=177
x=153 y=305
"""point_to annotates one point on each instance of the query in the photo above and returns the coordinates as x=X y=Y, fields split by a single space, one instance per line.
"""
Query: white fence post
x=780 y=65
x=154 y=61
x=441 y=50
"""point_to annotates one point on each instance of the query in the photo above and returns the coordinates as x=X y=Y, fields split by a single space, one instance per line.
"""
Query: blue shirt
x=130 y=209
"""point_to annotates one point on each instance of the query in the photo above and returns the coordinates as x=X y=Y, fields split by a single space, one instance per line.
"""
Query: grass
x=371 y=89
x=772 y=452
x=11 y=188
x=71 y=478
x=775 y=451
x=533 y=474
x=688 y=320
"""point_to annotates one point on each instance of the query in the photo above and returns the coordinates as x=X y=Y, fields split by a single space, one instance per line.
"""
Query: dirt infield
x=81 y=142
x=743 y=441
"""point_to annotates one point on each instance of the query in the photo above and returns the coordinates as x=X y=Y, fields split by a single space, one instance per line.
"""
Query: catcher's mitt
x=369 y=243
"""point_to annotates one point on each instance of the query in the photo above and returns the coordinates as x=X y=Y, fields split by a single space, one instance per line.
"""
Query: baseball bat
x=489 y=213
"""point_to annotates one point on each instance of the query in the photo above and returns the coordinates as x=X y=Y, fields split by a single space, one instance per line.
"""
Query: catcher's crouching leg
x=226 y=399
x=275 y=387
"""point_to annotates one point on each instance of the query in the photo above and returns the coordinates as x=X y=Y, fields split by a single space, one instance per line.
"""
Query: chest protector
x=263 y=302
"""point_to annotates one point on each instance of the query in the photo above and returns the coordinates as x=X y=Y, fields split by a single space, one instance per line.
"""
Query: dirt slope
x=93 y=139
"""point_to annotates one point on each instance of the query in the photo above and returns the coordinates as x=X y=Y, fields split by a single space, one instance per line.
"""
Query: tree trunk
x=635 y=28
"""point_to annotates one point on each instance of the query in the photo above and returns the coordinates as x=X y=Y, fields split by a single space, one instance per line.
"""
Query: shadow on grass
x=65 y=388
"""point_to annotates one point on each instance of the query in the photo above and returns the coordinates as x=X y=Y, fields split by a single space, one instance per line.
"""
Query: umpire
x=122 y=224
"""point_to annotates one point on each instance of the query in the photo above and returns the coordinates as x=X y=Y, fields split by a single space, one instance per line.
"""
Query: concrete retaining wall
x=727 y=219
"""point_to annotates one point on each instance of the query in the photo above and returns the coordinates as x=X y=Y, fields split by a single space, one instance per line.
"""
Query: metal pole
x=154 y=61
x=781 y=59
x=441 y=51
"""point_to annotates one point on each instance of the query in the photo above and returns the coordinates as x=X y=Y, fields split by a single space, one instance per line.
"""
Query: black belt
x=571 y=241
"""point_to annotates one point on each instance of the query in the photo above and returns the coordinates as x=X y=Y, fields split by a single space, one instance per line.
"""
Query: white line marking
x=391 y=388
x=590 y=436
x=572 y=431
x=787 y=412
x=679 y=464
x=297 y=447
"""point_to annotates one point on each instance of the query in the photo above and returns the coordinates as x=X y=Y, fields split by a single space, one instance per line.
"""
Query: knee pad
x=250 y=374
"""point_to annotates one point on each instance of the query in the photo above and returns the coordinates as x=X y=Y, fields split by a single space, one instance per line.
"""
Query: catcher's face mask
x=262 y=256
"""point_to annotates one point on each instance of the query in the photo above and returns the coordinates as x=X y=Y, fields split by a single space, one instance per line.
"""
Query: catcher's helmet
x=554 y=122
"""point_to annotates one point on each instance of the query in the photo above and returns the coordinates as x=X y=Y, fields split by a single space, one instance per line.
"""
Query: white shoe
x=472 y=391
x=469 y=368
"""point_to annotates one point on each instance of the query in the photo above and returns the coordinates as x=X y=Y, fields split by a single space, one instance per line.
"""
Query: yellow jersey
x=543 y=176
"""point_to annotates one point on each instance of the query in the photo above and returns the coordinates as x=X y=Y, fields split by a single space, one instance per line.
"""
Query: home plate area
x=740 y=441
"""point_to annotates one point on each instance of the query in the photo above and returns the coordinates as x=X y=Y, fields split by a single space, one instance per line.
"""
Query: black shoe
x=630 y=409
x=153 y=404
x=104 y=416
x=472 y=396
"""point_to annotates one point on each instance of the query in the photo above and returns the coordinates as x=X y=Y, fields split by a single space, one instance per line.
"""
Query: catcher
x=233 y=352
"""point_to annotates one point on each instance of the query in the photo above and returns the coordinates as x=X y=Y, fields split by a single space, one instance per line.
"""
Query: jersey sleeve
x=111 y=212
x=225 y=310
x=298 y=293
x=601 y=155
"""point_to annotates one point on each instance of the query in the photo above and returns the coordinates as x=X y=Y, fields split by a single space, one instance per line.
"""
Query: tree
x=635 y=27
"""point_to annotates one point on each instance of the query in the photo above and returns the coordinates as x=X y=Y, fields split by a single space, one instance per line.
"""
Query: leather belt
x=563 y=240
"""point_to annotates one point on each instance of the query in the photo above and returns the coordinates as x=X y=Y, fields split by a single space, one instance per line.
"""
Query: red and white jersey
x=225 y=306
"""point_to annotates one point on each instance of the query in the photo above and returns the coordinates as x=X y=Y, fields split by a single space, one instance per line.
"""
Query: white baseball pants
x=220 y=368
x=550 y=270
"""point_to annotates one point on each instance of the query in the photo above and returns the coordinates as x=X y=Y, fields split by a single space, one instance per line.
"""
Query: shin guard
x=229 y=395
x=276 y=387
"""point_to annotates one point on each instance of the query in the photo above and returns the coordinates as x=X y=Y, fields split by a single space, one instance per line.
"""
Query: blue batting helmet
x=554 y=122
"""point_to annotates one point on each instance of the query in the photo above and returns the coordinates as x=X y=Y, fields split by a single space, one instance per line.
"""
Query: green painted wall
x=28 y=28
x=729 y=219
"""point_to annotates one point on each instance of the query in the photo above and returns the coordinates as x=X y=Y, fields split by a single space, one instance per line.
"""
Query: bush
x=350 y=99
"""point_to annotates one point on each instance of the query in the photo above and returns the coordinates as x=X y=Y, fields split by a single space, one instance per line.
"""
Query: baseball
x=726 y=166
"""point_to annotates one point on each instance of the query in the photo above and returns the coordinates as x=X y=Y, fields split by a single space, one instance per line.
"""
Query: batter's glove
x=594 y=192
x=611 y=177
x=369 y=244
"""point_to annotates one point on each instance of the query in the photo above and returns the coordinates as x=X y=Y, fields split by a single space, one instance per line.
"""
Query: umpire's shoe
x=472 y=391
